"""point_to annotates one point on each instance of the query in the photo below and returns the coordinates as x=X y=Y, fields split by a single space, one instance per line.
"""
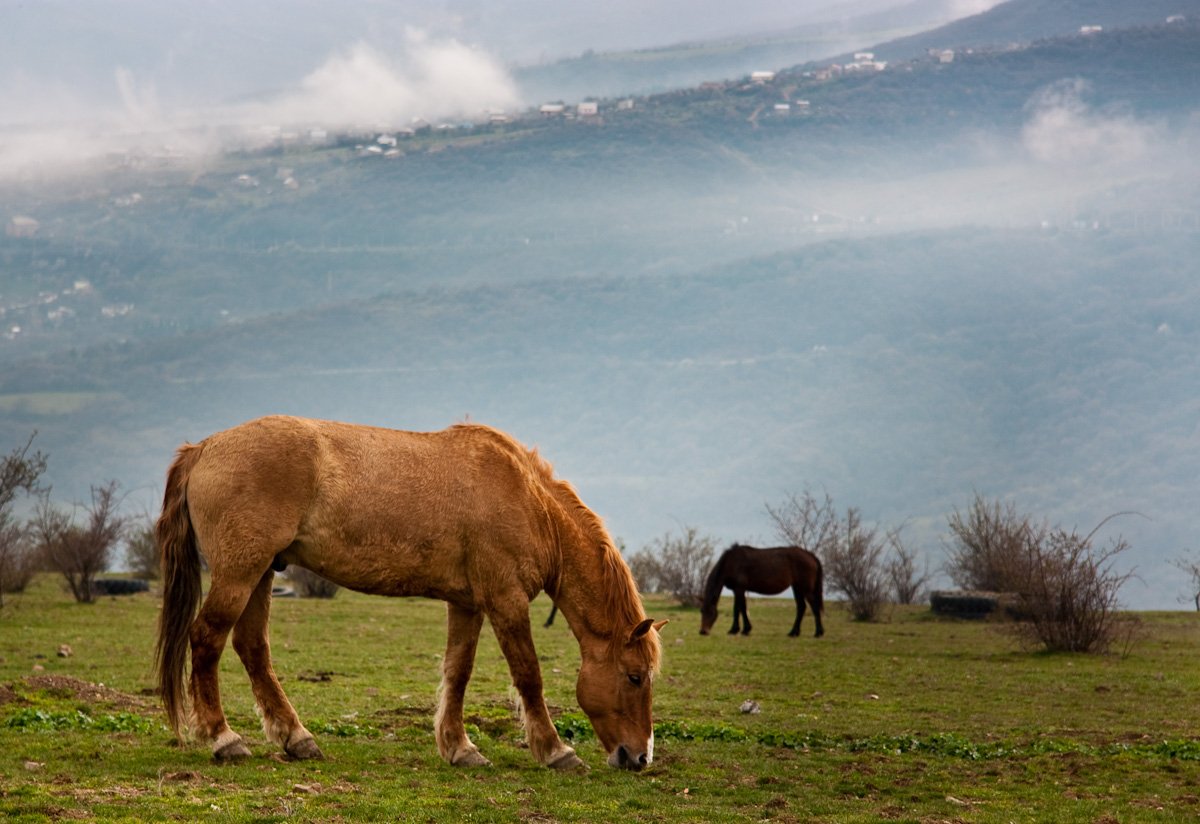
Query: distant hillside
x=899 y=373
x=1024 y=21
x=650 y=71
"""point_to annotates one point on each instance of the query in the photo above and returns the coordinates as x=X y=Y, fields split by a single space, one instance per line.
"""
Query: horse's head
x=708 y=617
x=615 y=689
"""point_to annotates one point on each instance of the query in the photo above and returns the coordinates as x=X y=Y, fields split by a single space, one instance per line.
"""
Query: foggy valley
x=965 y=263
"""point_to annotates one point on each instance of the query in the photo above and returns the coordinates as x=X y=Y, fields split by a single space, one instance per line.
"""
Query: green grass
x=915 y=719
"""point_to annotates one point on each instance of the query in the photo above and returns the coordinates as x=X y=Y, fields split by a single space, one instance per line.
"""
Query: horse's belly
x=383 y=569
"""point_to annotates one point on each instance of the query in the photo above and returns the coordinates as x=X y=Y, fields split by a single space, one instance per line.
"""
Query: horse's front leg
x=280 y=723
x=511 y=625
x=738 y=598
x=462 y=637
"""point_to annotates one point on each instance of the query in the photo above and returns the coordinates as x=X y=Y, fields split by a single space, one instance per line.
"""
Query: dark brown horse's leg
x=462 y=636
x=799 y=611
x=216 y=618
x=280 y=723
x=511 y=625
x=816 y=601
x=739 y=609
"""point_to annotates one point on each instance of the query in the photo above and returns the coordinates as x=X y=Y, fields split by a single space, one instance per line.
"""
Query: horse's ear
x=640 y=630
x=660 y=624
x=644 y=627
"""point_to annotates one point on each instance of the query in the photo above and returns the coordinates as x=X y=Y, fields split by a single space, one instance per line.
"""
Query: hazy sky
x=69 y=60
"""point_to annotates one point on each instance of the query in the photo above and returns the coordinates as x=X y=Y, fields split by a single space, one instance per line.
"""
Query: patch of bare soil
x=80 y=690
x=9 y=696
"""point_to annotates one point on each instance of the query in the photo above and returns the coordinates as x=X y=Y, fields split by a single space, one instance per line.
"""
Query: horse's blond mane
x=617 y=585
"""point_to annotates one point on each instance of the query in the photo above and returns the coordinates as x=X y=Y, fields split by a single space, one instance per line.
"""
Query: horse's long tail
x=181 y=586
x=818 y=596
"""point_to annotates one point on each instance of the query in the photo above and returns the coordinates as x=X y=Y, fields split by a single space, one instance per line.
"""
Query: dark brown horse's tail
x=818 y=601
x=181 y=586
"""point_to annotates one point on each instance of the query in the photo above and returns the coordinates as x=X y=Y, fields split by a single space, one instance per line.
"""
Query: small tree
x=1191 y=567
x=853 y=567
x=80 y=553
x=678 y=565
x=20 y=473
x=990 y=546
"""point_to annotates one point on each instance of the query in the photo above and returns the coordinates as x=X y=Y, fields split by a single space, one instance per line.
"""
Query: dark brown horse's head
x=616 y=688
x=708 y=616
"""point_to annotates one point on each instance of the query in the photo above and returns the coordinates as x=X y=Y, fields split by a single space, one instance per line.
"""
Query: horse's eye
x=635 y=679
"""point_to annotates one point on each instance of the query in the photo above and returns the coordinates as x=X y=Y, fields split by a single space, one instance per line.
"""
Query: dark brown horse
x=768 y=572
x=466 y=515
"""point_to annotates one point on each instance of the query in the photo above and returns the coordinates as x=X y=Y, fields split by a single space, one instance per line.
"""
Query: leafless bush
x=18 y=560
x=805 y=521
x=677 y=565
x=141 y=550
x=853 y=567
x=80 y=553
x=1070 y=594
x=1190 y=567
x=990 y=546
x=908 y=584
x=309 y=584
x=20 y=472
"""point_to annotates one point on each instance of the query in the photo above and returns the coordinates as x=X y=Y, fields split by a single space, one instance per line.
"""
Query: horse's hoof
x=470 y=758
x=304 y=749
x=567 y=761
x=233 y=751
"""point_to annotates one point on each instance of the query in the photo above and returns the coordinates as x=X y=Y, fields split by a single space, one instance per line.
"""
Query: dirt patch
x=9 y=696
x=87 y=692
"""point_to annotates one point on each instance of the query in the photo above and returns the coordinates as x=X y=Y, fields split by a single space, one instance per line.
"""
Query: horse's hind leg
x=739 y=608
x=221 y=610
x=799 y=612
x=462 y=637
x=250 y=639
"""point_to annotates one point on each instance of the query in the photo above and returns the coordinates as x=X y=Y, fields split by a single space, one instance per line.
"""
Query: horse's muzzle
x=624 y=759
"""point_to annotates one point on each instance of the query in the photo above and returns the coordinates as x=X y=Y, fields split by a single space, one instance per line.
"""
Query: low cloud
x=359 y=87
x=1064 y=130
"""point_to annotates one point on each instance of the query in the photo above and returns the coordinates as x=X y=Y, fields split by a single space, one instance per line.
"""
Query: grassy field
x=914 y=719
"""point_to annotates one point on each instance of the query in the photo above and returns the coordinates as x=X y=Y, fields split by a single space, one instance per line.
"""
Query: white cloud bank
x=60 y=131
x=1063 y=130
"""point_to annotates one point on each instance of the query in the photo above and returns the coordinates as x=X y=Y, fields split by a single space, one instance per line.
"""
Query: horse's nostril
x=643 y=760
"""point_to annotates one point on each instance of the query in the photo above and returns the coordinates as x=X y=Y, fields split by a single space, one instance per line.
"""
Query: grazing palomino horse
x=766 y=571
x=466 y=515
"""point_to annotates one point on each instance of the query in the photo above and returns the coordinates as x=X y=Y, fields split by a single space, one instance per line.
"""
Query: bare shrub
x=908 y=583
x=990 y=545
x=853 y=567
x=18 y=558
x=805 y=521
x=309 y=584
x=676 y=565
x=20 y=473
x=141 y=551
x=80 y=553
x=1070 y=593
x=1190 y=567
